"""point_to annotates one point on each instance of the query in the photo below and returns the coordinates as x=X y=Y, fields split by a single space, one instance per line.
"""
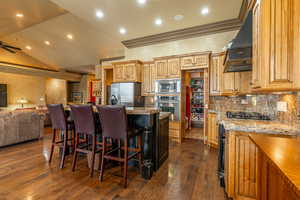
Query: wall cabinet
x=148 y=76
x=216 y=73
x=196 y=61
x=129 y=71
x=276 y=46
x=167 y=68
x=240 y=166
x=213 y=130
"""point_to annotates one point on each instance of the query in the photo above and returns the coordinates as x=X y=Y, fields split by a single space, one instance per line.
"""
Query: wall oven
x=167 y=97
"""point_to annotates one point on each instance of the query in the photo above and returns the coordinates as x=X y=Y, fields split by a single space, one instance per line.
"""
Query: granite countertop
x=163 y=115
x=284 y=153
x=141 y=110
x=265 y=127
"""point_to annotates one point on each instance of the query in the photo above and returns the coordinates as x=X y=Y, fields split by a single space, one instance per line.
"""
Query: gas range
x=247 y=115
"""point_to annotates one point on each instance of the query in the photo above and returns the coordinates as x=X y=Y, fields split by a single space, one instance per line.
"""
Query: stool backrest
x=84 y=120
x=57 y=116
x=113 y=121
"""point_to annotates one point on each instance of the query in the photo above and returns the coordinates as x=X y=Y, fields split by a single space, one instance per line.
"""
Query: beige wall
x=56 y=91
x=31 y=88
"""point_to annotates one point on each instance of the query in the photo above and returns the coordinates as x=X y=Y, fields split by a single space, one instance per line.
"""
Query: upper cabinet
x=232 y=83
x=167 y=68
x=195 y=61
x=148 y=76
x=129 y=71
x=216 y=73
x=276 y=45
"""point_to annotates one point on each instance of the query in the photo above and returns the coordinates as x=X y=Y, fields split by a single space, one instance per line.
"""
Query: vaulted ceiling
x=94 y=38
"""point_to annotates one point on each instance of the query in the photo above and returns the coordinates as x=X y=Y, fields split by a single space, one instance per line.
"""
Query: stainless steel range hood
x=239 y=54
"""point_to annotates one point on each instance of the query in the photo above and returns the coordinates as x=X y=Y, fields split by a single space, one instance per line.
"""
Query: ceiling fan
x=9 y=48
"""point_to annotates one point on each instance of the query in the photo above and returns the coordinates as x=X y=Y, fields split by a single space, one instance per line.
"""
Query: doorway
x=194 y=98
x=107 y=80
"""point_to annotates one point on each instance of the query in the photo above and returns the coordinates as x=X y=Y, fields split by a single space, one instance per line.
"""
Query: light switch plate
x=282 y=106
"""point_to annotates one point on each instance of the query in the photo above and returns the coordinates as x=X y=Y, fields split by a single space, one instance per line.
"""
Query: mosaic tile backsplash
x=265 y=104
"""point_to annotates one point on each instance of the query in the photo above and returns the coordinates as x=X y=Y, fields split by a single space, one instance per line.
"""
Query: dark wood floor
x=189 y=173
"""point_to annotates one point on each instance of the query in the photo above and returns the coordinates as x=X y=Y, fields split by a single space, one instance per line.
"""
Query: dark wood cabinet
x=163 y=141
x=3 y=95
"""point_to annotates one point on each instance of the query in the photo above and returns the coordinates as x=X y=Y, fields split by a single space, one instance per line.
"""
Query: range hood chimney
x=239 y=54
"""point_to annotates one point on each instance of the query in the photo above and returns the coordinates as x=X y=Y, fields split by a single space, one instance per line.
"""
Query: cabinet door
x=244 y=82
x=161 y=69
x=257 y=47
x=118 y=73
x=187 y=62
x=153 y=78
x=282 y=41
x=146 y=79
x=174 y=68
x=227 y=85
x=245 y=167
x=130 y=72
x=215 y=73
x=212 y=135
x=202 y=61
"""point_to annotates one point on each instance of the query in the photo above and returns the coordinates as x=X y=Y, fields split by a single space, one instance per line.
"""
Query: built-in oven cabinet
x=276 y=45
x=128 y=71
x=167 y=68
x=196 y=61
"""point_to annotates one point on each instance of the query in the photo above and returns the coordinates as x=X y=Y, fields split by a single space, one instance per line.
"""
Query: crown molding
x=196 y=31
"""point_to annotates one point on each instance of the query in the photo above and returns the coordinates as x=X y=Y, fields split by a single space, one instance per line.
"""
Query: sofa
x=20 y=126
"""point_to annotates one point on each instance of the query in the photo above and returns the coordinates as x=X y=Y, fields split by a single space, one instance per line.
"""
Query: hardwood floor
x=189 y=173
x=194 y=133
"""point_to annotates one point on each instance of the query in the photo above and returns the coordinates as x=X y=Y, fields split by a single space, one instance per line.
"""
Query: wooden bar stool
x=114 y=126
x=85 y=125
x=64 y=126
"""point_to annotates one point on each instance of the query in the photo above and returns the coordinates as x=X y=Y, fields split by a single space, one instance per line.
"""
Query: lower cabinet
x=213 y=131
x=240 y=166
x=272 y=184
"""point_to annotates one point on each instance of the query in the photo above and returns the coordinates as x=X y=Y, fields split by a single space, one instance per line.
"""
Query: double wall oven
x=167 y=96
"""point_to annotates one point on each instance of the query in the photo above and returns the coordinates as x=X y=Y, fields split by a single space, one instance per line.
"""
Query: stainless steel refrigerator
x=128 y=94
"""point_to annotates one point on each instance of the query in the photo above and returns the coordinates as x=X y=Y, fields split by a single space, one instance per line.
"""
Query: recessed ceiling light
x=204 y=11
x=47 y=43
x=28 y=47
x=20 y=15
x=142 y=2
x=122 y=30
x=158 y=21
x=69 y=36
x=99 y=14
x=178 y=17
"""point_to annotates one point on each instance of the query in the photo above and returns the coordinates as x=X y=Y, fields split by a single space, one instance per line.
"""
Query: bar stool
x=114 y=125
x=84 y=119
x=60 y=123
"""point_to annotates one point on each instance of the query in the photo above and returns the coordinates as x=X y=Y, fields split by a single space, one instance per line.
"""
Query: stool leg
x=119 y=151
x=102 y=159
x=125 y=162
x=65 y=146
x=140 y=151
x=93 y=155
x=73 y=139
x=75 y=152
x=52 y=145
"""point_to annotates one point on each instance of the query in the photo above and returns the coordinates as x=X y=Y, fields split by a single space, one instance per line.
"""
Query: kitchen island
x=155 y=138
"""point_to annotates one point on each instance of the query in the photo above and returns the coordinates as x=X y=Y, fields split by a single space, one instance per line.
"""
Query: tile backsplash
x=265 y=104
